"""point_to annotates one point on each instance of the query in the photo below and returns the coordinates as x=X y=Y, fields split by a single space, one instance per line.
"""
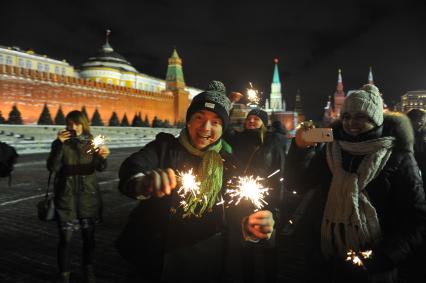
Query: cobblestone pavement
x=28 y=246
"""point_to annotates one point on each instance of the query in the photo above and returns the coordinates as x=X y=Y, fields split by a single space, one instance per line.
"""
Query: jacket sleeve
x=100 y=163
x=411 y=207
x=54 y=161
x=305 y=168
x=137 y=165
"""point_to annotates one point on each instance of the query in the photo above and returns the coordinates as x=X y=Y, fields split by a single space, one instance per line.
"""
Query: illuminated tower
x=175 y=83
x=276 y=103
x=339 y=95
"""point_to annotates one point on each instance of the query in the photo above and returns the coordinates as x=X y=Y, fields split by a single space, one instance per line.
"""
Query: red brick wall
x=30 y=90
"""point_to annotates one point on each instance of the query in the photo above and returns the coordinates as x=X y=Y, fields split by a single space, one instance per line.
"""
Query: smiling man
x=172 y=237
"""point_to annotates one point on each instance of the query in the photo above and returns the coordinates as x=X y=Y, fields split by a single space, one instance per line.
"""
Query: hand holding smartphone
x=318 y=135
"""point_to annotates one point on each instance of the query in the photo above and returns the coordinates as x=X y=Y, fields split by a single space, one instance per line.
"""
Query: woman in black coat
x=77 y=197
x=372 y=188
x=176 y=237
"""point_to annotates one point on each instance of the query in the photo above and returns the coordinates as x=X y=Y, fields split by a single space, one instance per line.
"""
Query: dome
x=107 y=57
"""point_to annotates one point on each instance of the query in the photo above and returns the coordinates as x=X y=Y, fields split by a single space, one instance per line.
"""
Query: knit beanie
x=366 y=100
x=261 y=114
x=213 y=99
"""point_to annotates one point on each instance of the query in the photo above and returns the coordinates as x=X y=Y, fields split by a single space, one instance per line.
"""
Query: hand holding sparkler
x=357 y=258
x=157 y=183
x=258 y=225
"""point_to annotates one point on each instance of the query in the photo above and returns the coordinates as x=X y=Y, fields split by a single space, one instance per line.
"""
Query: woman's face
x=357 y=123
x=204 y=128
x=78 y=128
x=253 y=122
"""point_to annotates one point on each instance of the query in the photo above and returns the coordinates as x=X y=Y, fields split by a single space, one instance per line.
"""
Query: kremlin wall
x=106 y=82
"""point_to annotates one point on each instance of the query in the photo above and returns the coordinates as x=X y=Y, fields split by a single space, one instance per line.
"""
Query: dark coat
x=396 y=193
x=261 y=159
x=76 y=187
x=156 y=238
x=420 y=151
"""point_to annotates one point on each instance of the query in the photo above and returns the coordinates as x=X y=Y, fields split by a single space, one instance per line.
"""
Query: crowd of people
x=361 y=193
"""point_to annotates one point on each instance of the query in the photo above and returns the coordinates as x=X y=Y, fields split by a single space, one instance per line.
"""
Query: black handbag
x=46 y=207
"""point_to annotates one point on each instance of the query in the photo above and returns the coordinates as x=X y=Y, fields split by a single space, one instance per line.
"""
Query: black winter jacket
x=156 y=238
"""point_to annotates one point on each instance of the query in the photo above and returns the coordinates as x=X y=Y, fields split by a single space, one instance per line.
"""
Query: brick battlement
x=31 y=89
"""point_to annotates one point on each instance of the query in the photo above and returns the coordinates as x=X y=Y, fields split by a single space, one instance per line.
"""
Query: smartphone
x=318 y=135
x=73 y=134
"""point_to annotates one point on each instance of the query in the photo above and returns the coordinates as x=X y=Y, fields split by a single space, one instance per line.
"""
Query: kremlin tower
x=339 y=95
x=277 y=103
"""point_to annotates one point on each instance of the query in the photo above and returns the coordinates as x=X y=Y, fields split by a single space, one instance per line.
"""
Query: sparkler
x=189 y=185
x=249 y=188
x=96 y=143
x=253 y=95
x=356 y=258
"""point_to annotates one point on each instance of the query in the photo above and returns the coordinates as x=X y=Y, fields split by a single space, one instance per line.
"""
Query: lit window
x=56 y=70
x=9 y=60
x=39 y=66
x=63 y=71
x=29 y=64
x=21 y=62
x=109 y=81
x=46 y=68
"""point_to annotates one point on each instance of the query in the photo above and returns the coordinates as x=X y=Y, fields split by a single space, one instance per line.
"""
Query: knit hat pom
x=371 y=89
x=216 y=86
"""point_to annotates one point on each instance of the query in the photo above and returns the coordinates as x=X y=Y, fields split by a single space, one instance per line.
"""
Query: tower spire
x=276 y=96
x=370 y=77
x=107 y=47
x=339 y=95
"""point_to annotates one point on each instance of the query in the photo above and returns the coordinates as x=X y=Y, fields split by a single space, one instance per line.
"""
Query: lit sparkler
x=96 y=143
x=189 y=184
x=253 y=95
x=249 y=188
x=356 y=258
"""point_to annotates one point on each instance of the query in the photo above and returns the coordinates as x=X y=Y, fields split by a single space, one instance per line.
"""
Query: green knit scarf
x=210 y=175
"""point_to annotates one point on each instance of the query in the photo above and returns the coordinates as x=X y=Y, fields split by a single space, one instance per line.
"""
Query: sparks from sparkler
x=96 y=143
x=249 y=188
x=253 y=95
x=356 y=258
x=189 y=184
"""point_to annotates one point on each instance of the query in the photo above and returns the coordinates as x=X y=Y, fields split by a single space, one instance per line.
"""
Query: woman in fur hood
x=373 y=197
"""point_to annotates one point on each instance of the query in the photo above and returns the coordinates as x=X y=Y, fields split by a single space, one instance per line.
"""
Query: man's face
x=419 y=123
x=253 y=122
x=204 y=128
x=357 y=123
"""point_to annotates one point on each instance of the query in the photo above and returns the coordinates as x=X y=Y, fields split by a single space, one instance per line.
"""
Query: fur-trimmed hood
x=394 y=124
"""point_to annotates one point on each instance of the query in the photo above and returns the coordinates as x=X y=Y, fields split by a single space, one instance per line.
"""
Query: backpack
x=8 y=158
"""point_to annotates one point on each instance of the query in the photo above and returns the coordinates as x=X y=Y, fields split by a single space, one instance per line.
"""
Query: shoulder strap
x=48 y=184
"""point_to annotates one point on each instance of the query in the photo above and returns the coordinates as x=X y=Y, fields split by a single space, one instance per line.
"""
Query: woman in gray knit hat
x=183 y=238
x=372 y=188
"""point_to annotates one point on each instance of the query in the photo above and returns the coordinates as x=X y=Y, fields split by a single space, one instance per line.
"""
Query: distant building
x=415 y=99
x=107 y=82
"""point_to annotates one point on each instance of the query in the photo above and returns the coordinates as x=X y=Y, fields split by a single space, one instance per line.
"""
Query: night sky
x=236 y=41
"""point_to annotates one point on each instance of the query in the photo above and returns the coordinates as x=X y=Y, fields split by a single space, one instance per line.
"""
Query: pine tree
x=96 y=119
x=45 y=118
x=166 y=124
x=124 y=121
x=146 y=121
x=2 y=119
x=157 y=123
x=60 y=118
x=84 y=111
x=137 y=121
x=14 y=116
x=113 y=121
